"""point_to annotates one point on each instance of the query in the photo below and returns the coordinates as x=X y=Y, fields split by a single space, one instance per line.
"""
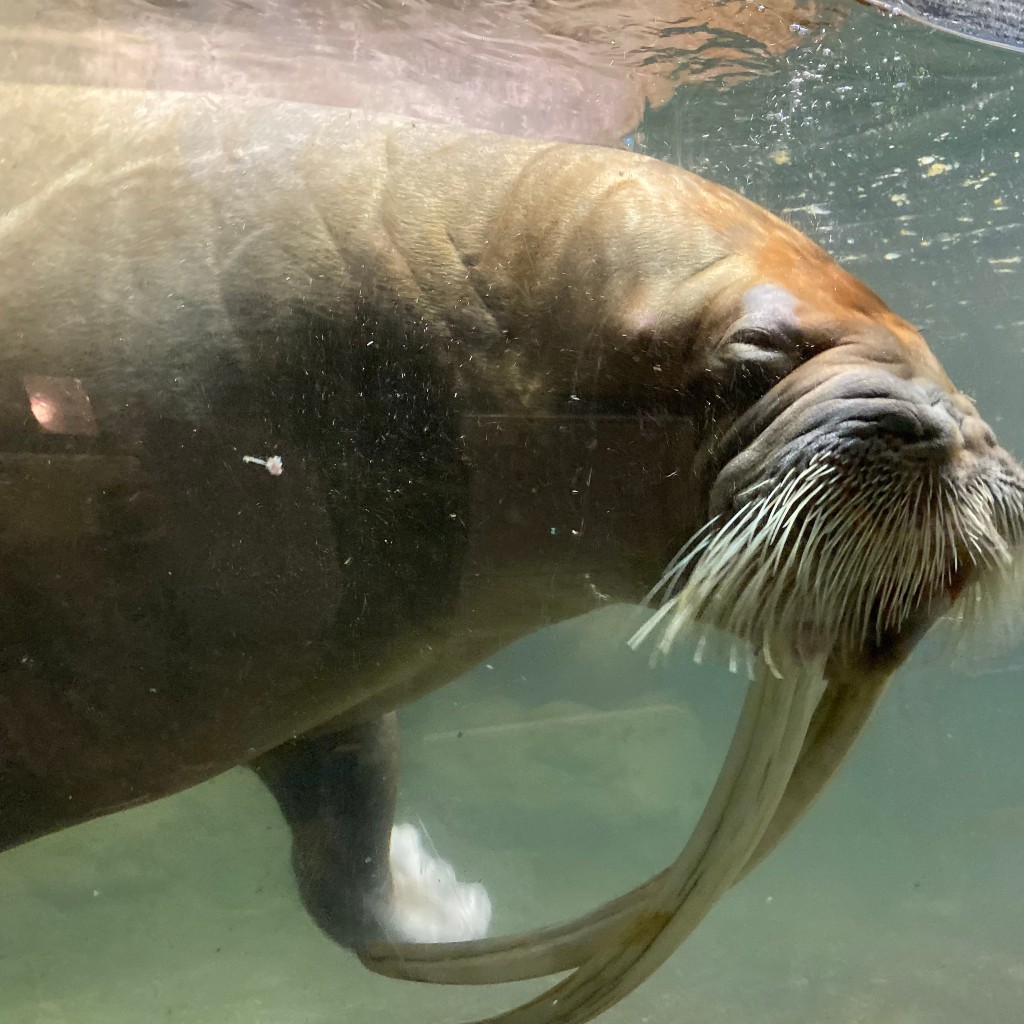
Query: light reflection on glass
x=61 y=405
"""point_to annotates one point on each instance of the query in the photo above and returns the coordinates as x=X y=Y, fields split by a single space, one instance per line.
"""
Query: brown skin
x=499 y=374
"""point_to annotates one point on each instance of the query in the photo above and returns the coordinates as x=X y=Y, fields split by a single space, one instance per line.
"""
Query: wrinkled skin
x=506 y=380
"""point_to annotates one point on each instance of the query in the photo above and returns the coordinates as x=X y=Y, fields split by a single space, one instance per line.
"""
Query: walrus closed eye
x=296 y=364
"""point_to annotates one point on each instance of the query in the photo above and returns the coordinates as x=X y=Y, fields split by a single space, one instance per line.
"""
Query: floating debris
x=274 y=465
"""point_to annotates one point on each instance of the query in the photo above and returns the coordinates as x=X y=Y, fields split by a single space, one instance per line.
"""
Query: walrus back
x=491 y=239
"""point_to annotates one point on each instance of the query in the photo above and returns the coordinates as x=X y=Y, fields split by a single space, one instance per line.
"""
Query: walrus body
x=491 y=384
x=268 y=293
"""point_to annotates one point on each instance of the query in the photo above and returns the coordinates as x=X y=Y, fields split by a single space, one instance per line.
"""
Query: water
x=566 y=69
x=897 y=901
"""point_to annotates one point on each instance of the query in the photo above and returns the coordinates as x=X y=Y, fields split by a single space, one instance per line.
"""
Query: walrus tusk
x=995 y=23
x=840 y=717
x=765 y=748
x=617 y=946
x=838 y=720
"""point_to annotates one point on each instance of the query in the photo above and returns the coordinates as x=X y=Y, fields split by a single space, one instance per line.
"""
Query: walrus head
x=857 y=500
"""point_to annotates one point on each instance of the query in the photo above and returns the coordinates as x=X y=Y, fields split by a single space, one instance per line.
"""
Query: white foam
x=428 y=903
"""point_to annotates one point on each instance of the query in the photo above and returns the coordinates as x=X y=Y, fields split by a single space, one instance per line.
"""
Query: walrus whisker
x=1010 y=521
x=698 y=649
x=860 y=557
x=733 y=659
x=651 y=624
x=683 y=557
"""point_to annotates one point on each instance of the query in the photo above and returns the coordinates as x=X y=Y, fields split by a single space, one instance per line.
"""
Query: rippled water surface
x=572 y=69
x=900 y=899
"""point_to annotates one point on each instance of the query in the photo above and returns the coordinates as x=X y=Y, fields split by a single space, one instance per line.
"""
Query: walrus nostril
x=937 y=427
x=969 y=430
x=904 y=426
x=939 y=422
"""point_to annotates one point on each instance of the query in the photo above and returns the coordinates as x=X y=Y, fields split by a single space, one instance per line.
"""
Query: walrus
x=304 y=412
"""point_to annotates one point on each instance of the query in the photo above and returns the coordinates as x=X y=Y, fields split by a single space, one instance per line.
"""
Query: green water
x=899 y=900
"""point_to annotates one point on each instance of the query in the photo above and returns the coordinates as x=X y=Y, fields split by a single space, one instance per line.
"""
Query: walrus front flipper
x=360 y=877
x=337 y=793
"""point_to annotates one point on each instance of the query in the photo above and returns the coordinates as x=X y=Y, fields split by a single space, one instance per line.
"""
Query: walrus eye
x=756 y=359
x=761 y=347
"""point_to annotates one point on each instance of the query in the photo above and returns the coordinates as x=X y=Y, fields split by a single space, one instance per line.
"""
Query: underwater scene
x=568 y=767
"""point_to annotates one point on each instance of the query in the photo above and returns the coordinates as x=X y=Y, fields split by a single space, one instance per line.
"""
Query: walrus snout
x=865 y=413
x=852 y=506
